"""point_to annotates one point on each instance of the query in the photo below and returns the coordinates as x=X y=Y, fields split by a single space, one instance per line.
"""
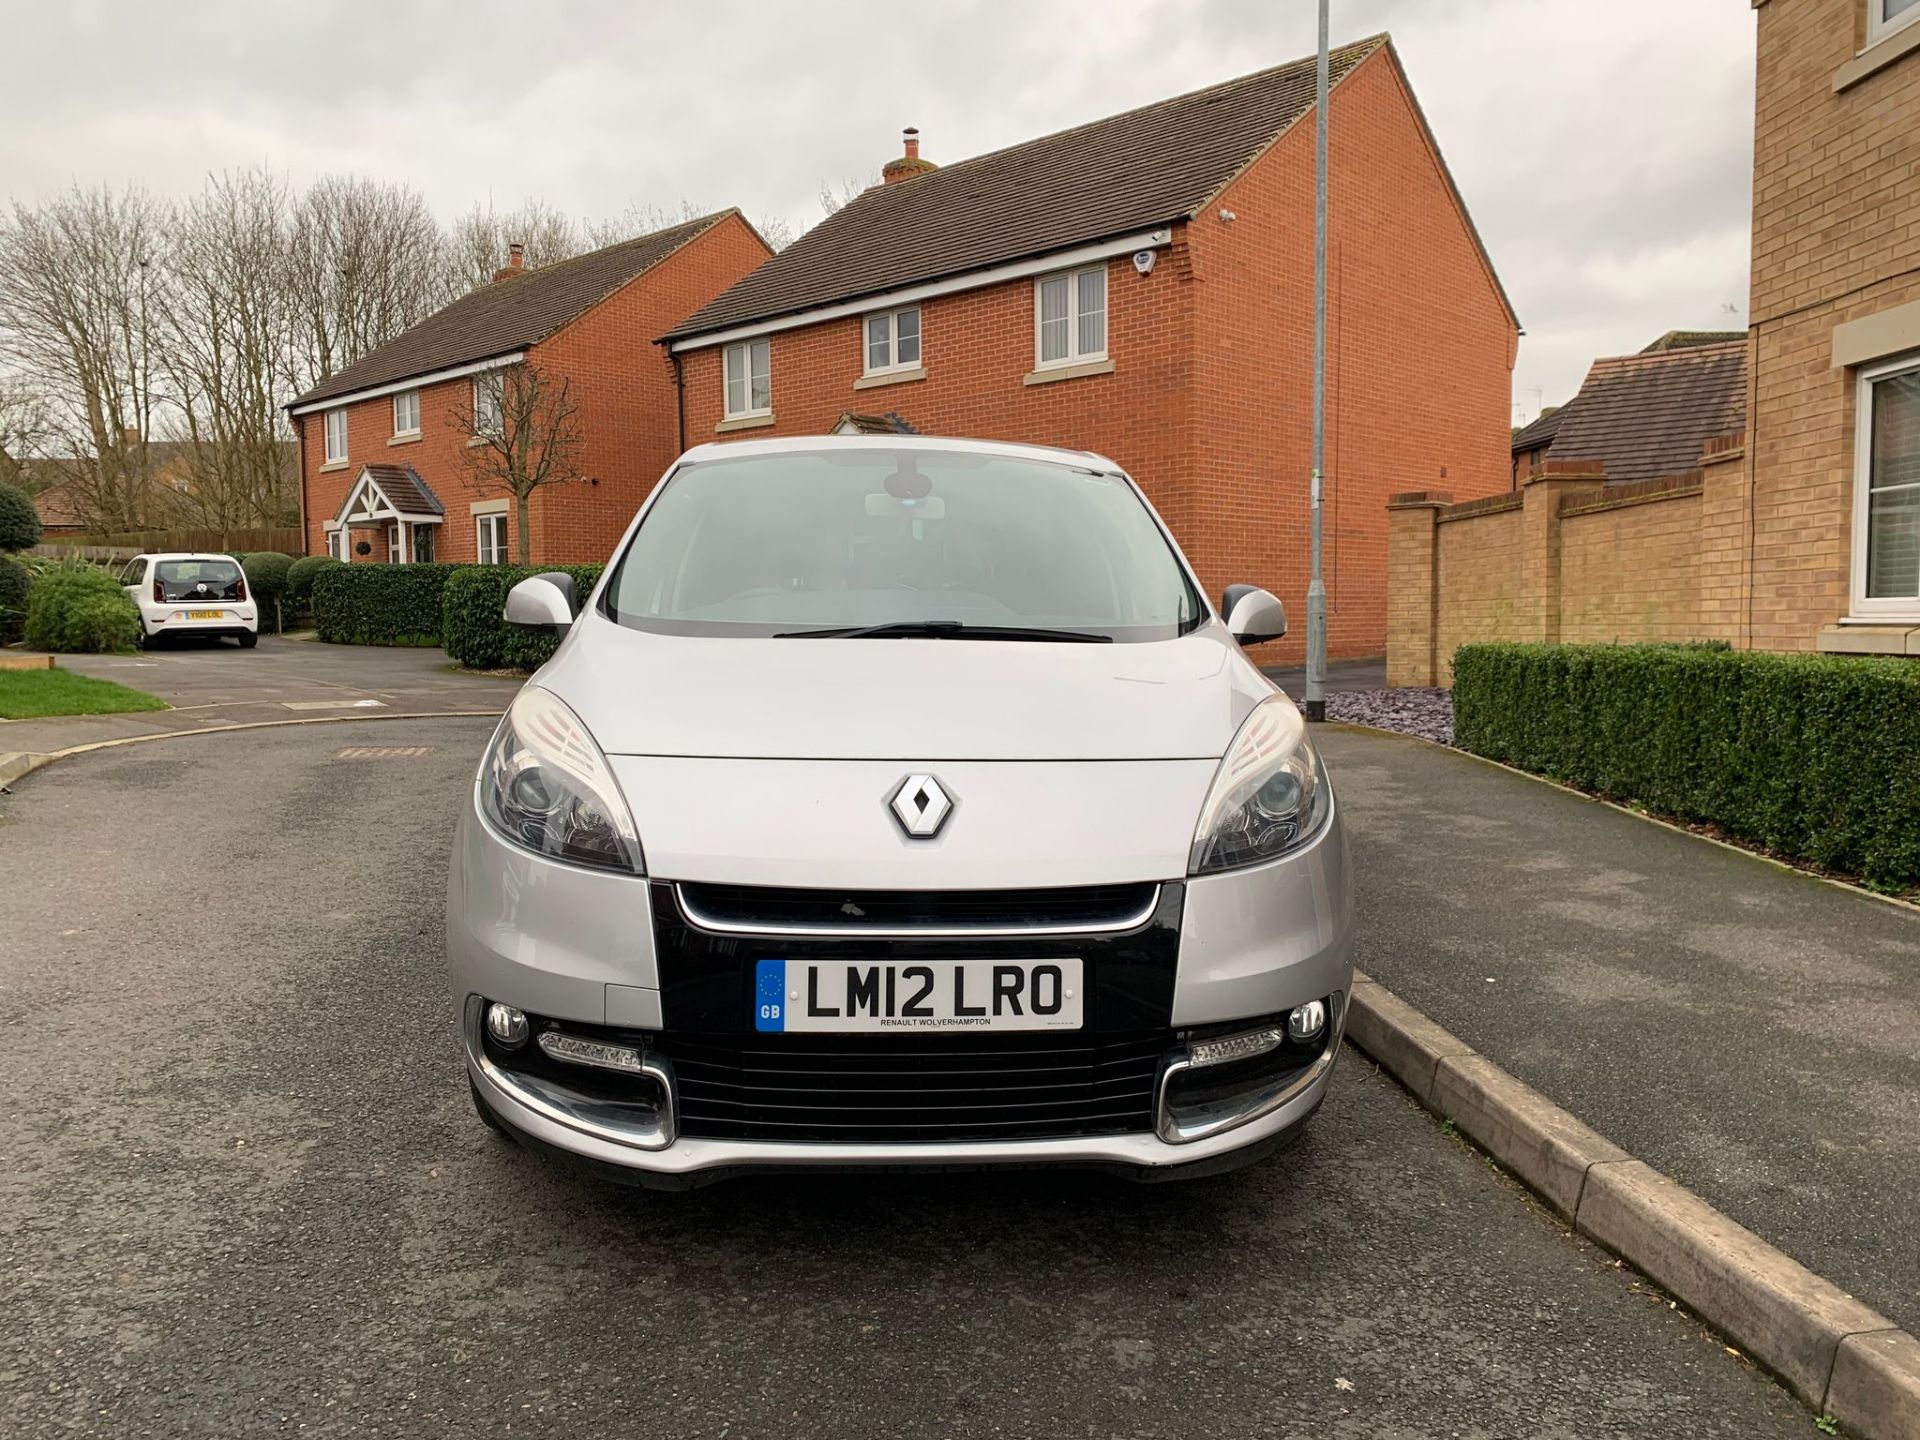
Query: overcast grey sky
x=1604 y=150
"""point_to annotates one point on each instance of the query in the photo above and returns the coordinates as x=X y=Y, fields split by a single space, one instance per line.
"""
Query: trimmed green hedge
x=15 y=581
x=80 y=611
x=1816 y=757
x=266 y=572
x=19 y=521
x=300 y=576
x=472 y=629
x=379 y=604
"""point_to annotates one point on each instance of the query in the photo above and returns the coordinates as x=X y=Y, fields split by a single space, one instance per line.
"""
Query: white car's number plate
x=917 y=995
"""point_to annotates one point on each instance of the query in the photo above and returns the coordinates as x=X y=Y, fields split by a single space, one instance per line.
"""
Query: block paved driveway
x=244 y=1195
x=1751 y=1031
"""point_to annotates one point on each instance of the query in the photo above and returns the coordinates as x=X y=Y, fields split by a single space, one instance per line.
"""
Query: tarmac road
x=244 y=1195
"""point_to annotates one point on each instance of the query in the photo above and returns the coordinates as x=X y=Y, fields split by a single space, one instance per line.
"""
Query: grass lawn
x=31 y=694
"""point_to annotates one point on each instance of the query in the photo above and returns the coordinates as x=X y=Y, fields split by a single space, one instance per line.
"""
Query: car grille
x=890 y=1089
x=758 y=909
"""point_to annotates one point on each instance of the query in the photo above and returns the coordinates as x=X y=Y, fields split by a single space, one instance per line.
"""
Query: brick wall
x=1630 y=568
x=619 y=379
x=1208 y=403
x=1568 y=559
x=1477 y=581
x=1836 y=238
x=623 y=383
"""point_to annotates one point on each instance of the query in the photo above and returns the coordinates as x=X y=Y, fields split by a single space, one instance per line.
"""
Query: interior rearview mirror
x=542 y=602
x=1253 y=615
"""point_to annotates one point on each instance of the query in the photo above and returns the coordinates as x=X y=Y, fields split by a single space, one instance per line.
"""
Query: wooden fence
x=124 y=546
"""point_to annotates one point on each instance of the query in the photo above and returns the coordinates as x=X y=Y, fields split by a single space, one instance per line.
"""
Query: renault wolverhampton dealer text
x=899 y=802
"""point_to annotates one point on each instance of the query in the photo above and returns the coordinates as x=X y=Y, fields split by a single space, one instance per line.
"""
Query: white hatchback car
x=183 y=594
x=903 y=803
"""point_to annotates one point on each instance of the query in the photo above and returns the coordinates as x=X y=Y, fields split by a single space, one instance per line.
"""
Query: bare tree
x=527 y=435
x=832 y=199
x=477 y=242
x=228 y=340
x=78 y=321
x=365 y=261
x=25 y=427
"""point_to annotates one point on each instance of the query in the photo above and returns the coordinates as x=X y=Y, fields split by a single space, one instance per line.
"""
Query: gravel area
x=1410 y=710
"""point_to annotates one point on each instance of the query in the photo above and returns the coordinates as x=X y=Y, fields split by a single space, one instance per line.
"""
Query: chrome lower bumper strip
x=607 y=1121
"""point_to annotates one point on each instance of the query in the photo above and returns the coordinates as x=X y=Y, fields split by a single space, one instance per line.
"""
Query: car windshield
x=198 y=579
x=901 y=541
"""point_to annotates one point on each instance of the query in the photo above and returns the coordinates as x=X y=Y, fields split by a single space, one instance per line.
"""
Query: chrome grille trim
x=723 y=926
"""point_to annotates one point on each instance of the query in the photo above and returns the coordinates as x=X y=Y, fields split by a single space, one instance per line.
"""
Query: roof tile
x=511 y=314
x=1646 y=416
x=1134 y=171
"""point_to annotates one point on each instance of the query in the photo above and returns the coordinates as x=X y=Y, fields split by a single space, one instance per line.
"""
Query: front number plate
x=917 y=995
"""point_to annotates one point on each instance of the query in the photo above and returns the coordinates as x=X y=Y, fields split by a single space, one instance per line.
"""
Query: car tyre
x=487 y=1117
x=248 y=639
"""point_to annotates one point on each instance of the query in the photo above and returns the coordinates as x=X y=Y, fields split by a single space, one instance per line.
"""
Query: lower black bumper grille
x=892 y=1089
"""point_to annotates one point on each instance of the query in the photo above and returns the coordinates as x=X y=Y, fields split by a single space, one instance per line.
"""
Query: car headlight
x=1268 y=795
x=546 y=785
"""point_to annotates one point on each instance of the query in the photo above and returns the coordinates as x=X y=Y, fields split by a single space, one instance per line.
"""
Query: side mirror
x=541 y=602
x=1253 y=615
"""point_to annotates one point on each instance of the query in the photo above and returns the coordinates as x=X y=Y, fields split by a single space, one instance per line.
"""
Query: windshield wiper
x=945 y=630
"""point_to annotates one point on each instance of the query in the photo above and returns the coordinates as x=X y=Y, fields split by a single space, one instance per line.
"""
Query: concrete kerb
x=15 y=764
x=1838 y=1355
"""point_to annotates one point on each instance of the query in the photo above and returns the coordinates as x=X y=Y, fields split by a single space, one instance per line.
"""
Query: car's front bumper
x=580 y=948
x=555 y=1119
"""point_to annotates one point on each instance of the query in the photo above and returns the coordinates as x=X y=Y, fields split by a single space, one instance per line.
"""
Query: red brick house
x=1142 y=286
x=383 y=444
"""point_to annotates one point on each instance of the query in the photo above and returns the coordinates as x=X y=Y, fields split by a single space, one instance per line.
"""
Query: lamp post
x=1316 y=586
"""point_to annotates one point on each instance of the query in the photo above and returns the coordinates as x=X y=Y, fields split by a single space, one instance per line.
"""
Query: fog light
x=592 y=1052
x=507 y=1025
x=1305 y=1022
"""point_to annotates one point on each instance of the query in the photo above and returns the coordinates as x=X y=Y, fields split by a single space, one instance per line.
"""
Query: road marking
x=382 y=752
x=333 y=704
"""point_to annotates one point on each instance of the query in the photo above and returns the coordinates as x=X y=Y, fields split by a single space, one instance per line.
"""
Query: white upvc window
x=406 y=413
x=1070 y=317
x=749 y=376
x=1886 y=16
x=340 y=543
x=490 y=538
x=396 y=552
x=893 y=340
x=489 y=403
x=336 y=428
x=1886 y=492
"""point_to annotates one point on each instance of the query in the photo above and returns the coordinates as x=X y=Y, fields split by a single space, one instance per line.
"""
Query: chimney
x=516 y=261
x=909 y=164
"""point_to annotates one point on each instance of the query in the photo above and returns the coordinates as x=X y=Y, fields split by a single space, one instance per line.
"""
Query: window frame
x=895 y=365
x=1074 y=355
x=406 y=432
x=326 y=431
x=749 y=345
x=1880 y=28
x=496 y=521
x=495 y=382
x=1896 y=608
x=396 y=543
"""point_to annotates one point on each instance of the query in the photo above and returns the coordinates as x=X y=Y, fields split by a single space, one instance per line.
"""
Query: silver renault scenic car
x=903 y=803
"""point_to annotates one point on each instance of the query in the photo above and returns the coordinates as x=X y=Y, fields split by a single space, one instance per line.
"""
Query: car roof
x=184 y=555
x=801 y=444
